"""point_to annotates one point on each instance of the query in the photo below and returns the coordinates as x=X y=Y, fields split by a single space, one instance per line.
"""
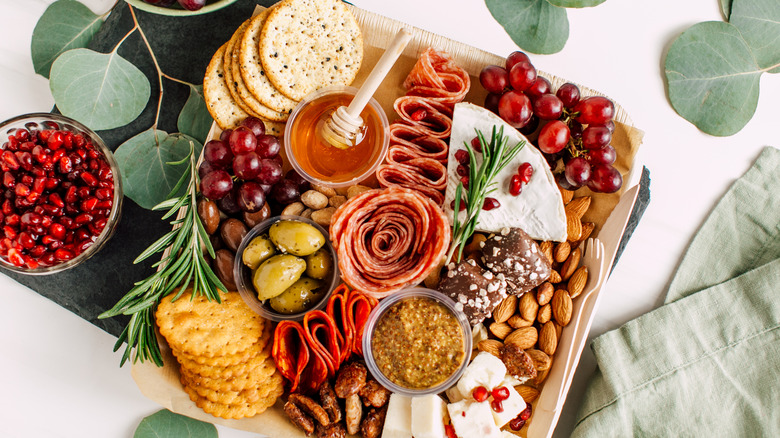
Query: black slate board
x=183 y=47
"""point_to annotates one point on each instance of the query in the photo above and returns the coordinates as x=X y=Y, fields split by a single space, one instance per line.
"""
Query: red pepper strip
x=322 y=336
x=290 y=351
x=336 y=309
x=359 y=306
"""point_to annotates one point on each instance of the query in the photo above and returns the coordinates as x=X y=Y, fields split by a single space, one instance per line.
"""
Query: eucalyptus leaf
x=194 y=118
x=759 y=23
x=166 y=424
x=65 y=25
x=147 y=178
x=101 y=90
x=576 y=3
x=713 y=78
x=725 y=7
x=534 y=25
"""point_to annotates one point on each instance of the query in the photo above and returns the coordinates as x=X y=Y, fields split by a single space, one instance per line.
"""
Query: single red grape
x=514 y=58
x=268 y=146
x=595 y=110
x=216 y=184
x=270 y=172
x=491 y=102
x=515 y=108
x=218 y=153
x=251 y=197
x=494 y=79
x=192 y=5
x=548 y=107
x=610 y=125
x=540 y=86
x=605 y=155
x=285 y=192
x=225 y=135
x=205 y=168
x=522 y=75
x=246 y=166
x=229 y=202
x=605 y=179
x=564 y=183
x=577 y=171
x=242 y=140
x=569 y=94
x=531 y=126
x=256 y=125
x=553 y=137
x=303 y=184
x=596 y=137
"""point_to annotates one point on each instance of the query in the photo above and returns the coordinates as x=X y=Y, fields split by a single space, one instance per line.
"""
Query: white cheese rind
x=538 y=210
x=428 y=415
x=473 y=419
x=485 y=370
x=512 y=407
x=398 y=422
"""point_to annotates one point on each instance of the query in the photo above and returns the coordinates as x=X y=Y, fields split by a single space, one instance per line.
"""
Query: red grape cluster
x=574 y=129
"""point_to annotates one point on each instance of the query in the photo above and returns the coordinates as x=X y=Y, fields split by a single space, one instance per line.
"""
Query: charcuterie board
x=163 y=384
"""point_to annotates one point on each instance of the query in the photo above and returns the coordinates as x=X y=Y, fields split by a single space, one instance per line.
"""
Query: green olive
x=319 y=264
x=257 y=251
x=276 y=274
x=296 y=238
x=301 y=296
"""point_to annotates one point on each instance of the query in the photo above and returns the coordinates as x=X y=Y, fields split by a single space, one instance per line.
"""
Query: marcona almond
x=529 y=393
x=542 y=361
x=528 y=306
x=555 y=277
x=544 y=293
x=322 y=217
x=570 y=265
x=577 y=207
x=325 y=190
x=517 y=321
x=548 y=340
x=500 y=329
x=314 y=199
x=505 y=308
x=491 y=346
x=524 y=337
x=547 y=249
x=545 y=313
x=567 y=195
x=561 y=307
x=562 y=251
x=577 y=282
x=294 y=209
x=573 y=227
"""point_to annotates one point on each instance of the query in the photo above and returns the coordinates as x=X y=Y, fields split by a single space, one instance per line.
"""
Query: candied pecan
x=335 y=430
x=330 y=402
x=310 y=407
x=298 y=418
x=371 y=427
x=374 y=394
x=518 y=363
x=350 y=379
x=354 y=412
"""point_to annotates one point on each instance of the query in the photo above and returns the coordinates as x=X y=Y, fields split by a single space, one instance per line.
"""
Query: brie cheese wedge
x=537 y=210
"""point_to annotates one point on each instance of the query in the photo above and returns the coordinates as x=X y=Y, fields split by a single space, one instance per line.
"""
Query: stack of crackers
x=224 y=353
x=279 y=56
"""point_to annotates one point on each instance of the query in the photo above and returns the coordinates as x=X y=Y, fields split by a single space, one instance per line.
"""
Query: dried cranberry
x=462 y=156
x=476 y=144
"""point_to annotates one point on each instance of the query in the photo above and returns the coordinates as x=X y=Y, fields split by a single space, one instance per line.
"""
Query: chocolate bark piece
x=475 y=291
x=514 y=256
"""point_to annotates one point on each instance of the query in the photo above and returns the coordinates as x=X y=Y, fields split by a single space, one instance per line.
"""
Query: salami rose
x=387 y=239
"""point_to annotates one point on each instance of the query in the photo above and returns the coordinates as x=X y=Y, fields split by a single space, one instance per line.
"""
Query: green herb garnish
x=495 y=157
x=183 y=265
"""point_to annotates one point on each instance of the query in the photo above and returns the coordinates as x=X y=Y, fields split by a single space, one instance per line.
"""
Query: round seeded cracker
x=255 y=378
x=238 y=410
x=227 y=63
x=223 y=109
x=309 y=44
x=262 y=344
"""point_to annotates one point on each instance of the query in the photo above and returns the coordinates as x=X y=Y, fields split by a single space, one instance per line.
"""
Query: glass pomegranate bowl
x=60 y=194
x=176 y=8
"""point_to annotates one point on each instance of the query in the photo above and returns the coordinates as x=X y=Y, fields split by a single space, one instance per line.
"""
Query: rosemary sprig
x=183 y=265
x=495 y=157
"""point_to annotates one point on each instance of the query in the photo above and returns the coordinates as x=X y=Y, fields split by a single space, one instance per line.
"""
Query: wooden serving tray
x=162 y=384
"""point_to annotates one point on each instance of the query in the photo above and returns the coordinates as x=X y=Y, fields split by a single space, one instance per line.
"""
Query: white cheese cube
x=473 y=420
x=512 y=407
x=428 y=415
x=398 y=422
x=485 y=370
x=507 y=434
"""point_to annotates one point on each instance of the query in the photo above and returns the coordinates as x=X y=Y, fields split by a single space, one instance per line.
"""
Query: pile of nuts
x=319 y=203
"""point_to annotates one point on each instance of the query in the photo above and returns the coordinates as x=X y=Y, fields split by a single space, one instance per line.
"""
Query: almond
x=555 y=277
x=500 y=329
x=356 y=190
x=567 y=195
x=558 y=330
x=294 y=209
x=570 y=265
x=529 y=393
x=548 y=341
x=528 y=306
x=577 y=281
x=322 y=217
x=524 y=337
x=517 y=321
x=561 y=252
x=547 y=249
x=505 y=308
x=544 y=293
x=577 y=207
x=314 y=200
x=561 y=307
x=587 y=229
x=541 y=376
x=542 y=361
x=337 y=201
x=545 y=313
x=491 y=346
x=325 y=190
x=573 y=228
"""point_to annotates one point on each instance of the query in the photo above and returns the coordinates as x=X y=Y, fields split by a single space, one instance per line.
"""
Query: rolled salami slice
x=431 y=117
x=387 y=239
x=425 y=175
x=291 y=353
x=322 y=336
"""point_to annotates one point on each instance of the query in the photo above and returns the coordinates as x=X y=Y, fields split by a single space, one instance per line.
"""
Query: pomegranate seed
x=38 y=172
x=26 y=180
x=462 y=156
x=44 y=136
x=12 y=220
x=81 y=234
x=82 y=246
x=52 y=210
x=67 y=222
x=15 y=257
x=94 y=164
x=476 y=144
x=420 y=114
x=105 y=205
x=48 y=259
x=83 y=218
x=56 y=199
x=55 y=140
x=26 y=146
x=37 y=251
x=461 y=170
x=89 y=179
x=497 y=406
x=25 y=240
x=93 y=154
x=526 y=414
x=106 y=184
x=9 y=159
x=10 y=232
x=39 y=184
x=79 y=141
x=105 y=173
x=480 y=393
x=25 y=160
x=66 y=165
x=526 y=171
x=70 y=195
x=84 y=192
x=9 y=180
x=57 y=231
x=67 y=140
x=515 y=185
x=46 y=222
x=30 y=262
x=33 y=197
x=100 y=224
x=7 y=207
x=57 y=156
x=461 y=207
x=89 y=204
x=63 y=254
x=490 y=204
x=500 y=393
x=516 y=424
x=22 y=190
x=52 y=183
x=103 y=194
x=22 y=134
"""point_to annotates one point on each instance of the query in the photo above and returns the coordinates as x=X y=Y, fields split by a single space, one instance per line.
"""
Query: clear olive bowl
x=36 y=122
x=242 y=274
x=374 y=320
x=177 y=11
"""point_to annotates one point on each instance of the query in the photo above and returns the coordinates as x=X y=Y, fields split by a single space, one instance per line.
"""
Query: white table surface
x=58 y=375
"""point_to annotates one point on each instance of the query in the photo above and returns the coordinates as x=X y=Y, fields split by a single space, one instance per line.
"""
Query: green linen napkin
x=707 y=363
